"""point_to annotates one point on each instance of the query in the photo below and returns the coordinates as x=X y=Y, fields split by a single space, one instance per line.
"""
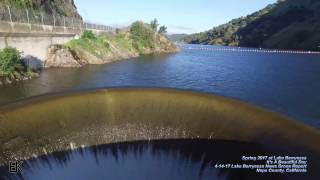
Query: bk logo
x=15 y=166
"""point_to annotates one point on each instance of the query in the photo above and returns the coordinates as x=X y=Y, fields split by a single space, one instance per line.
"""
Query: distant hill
x=287 y=24
x=60 y=7
x=176 y=37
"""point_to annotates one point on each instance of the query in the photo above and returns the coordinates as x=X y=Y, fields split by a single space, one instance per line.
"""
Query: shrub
x=9 y=57
x=142 y=35
x=88 y=35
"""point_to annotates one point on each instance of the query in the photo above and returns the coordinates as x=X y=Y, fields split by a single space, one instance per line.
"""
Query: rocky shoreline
x=78 y=56
x=64 y=57
x=18 y=76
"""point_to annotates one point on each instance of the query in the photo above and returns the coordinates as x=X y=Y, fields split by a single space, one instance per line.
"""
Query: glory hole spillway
x=58 y=122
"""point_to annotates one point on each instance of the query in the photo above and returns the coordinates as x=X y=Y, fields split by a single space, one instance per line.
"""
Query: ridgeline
x=286 y=24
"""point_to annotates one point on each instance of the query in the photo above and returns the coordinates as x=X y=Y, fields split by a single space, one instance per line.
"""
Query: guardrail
x=32 y=17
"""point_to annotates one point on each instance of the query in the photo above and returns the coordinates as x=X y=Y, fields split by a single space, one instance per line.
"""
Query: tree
x=141 y=35
x=154 y=24
x=162 y=30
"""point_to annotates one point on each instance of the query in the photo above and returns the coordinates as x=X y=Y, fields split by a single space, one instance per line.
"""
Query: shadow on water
x=159 y=159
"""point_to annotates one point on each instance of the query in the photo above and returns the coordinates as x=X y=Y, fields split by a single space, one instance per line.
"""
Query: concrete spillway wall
x=33 y=47
x=33 y=40
x=58 y=122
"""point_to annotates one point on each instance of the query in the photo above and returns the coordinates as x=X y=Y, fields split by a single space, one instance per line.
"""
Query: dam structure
x=32 y=32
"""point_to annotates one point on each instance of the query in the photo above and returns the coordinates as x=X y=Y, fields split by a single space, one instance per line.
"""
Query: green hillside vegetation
x=287 y=24
x=60 y=7
x=139 y=38
x=96 y=45
x=18 y=3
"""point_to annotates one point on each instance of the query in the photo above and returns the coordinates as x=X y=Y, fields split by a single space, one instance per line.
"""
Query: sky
x=180 y=16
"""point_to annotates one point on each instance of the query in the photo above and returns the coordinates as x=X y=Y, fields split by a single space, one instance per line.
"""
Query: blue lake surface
x=281 y=82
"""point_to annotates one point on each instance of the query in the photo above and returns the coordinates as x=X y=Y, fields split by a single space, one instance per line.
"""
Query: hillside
x=176 y=37
x=287 y=24
x=60 y=7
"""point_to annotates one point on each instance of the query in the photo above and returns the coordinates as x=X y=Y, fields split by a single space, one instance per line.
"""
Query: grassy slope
x=124 y=44
x=290 y=24
x=98 y=46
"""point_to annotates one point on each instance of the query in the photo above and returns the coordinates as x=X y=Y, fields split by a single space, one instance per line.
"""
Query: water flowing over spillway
x=53 y=123
x=159 y=159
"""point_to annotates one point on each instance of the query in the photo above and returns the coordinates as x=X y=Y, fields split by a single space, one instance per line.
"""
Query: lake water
x=158 y=160
x=282 y=82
